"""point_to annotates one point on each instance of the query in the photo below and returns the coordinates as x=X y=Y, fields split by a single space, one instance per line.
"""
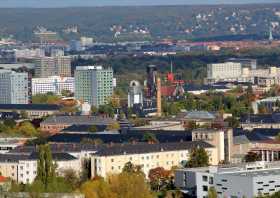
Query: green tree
x=27 y=129
x=232 y=122
x=131 y=168
x=212 y=193
x=150 y=137
x=198 y=158
x=93 y=128
x=9 y=123
x=252 y=157
x=45 y=167
x=113 y=126
x=23 y=114
x=71 y=178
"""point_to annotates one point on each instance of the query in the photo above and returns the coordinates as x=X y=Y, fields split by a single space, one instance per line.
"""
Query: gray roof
x=150 y=148
x=199 y=115
x=12 y=157
x=34 y=156
x=78 y=120
x=55 y=156
x=56 y=148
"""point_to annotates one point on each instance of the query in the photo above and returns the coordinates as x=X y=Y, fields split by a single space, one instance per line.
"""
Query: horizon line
x=140 y=5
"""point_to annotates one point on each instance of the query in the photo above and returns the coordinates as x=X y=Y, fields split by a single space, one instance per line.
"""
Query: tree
x=23 y=114
x=174 y=194
x=93 y=128
x=66 y=93
x=252 y=157
x=97 y=189
x=27 y=129
x=212 y=193
x=131 y=168
x=45 y=167
x=129 y=185
x=232 y=122
x=96 y=141
x=94 y=110
x=113 y=127
x=71 y=178
x=198 y=158
x=150 y=137
x=278 y=136
x=9 y=123
x=159 y=178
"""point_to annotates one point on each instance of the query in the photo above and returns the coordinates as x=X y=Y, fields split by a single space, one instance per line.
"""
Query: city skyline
x=77 y=3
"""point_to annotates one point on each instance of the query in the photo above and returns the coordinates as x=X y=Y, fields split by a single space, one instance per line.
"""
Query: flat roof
x=48 y=107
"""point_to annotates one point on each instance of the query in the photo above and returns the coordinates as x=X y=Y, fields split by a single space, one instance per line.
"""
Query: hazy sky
x=67 y=3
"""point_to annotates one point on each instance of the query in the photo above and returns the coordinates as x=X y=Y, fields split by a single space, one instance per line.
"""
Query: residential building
x=53 y=66
x=54 y=84
x=32 y=110
x=245 y=62
x=14 y=87
x=55 y=124
x=93 y=84
x=63 y=65
x=23 y=168
x=244 y=180
x=29 y=53
x=227 y=70
x=112 y=159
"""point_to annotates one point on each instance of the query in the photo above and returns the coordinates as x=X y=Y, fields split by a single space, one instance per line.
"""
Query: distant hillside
x=218 y=21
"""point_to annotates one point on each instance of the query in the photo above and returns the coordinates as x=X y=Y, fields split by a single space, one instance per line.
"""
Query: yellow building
x=111 y=160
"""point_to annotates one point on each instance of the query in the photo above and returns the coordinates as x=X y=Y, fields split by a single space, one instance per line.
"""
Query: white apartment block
x=54 y=84
x=228 y=70
x=29 y=53
x=243 y=180
x=23 y=168
x=14 y=88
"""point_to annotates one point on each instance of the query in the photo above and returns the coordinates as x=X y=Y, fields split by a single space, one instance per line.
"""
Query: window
x=211 y=180
x=224 y=180
x=205 y=188
x=112 y=160
x=204 y=178
x=112 y=167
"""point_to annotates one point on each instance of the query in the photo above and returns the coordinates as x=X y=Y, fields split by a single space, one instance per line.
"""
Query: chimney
x=158 y=97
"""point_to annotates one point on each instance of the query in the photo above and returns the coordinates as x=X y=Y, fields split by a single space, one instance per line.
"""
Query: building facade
x=14 y=87
x=54 y=84
x=53 y=66
x=228 y=70
x=111 y=160
x=245 y=180
x=93 y=84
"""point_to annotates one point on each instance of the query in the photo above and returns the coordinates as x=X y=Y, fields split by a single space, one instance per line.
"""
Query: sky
x=81 y=3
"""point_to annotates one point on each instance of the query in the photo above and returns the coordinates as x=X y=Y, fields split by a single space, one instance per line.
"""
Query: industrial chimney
x=158 y=97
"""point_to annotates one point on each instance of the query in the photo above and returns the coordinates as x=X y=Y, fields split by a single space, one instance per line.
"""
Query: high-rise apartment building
x=93 y=84
x=52 y=66
x=14 y=87
x=226 y=71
